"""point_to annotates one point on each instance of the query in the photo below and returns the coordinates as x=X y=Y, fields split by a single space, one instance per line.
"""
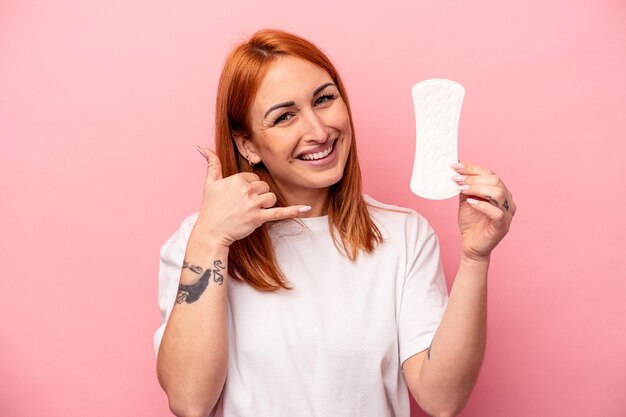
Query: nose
x=314 y=128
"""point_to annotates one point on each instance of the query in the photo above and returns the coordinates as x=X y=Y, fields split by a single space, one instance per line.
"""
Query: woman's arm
x=442 y=377
x=193 y=356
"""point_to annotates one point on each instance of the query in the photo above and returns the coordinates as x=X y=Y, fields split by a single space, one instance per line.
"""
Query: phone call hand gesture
x=233 y=207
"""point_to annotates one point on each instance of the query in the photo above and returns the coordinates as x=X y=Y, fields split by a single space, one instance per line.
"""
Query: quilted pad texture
x=437 y=110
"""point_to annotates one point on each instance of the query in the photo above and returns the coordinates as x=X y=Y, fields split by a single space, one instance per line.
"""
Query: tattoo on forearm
x=192 y=293
x=217 y=277
x=194 y=268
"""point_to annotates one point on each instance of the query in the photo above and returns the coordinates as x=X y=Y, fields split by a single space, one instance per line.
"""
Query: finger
x=260 y=187
x=281 y=213
x=495 y=195
x=488 y=193
x=477 y=179
x=214 y=169
x=248 y=177
x=482 y=179
x=266 y=200
x=466 y=168
x=513 y=206
x=488 y=209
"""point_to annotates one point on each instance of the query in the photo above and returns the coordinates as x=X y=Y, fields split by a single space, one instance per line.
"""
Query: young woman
x=292 y=294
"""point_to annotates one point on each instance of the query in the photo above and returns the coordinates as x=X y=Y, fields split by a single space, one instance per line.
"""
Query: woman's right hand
x=234 y=206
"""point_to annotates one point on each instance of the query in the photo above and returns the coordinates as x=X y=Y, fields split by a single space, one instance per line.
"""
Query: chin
x=332 y=181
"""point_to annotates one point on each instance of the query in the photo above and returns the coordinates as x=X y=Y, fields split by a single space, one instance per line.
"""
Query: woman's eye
x=283 y=117
x=324 y=99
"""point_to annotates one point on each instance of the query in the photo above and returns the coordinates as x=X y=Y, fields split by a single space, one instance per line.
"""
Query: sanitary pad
x=437 y=110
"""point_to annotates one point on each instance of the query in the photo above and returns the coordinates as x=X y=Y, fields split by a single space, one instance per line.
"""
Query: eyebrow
x=320 y=88
x=278 y=106
x=292 y=103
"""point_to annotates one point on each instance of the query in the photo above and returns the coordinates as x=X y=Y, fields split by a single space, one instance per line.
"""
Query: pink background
x=103 y=103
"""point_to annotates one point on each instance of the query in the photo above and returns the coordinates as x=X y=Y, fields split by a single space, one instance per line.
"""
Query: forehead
x=289 y=79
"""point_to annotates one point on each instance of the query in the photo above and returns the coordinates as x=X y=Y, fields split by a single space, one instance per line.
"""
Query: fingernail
x=201 y=151
x=304 y=209
x=464 y=187
x=472 y=201
x=458 y=177
x=457 y=165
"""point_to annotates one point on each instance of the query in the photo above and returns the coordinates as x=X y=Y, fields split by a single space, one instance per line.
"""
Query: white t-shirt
x=334 y=344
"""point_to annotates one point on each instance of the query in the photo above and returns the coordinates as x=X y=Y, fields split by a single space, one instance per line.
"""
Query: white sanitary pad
x=437 y=110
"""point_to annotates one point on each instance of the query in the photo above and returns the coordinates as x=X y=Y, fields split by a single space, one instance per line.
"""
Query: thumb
x=214 y=169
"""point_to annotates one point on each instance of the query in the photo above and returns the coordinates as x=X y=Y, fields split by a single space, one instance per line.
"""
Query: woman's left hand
x=484 y=223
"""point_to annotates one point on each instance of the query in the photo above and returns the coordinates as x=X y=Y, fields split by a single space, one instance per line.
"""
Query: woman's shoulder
x=393 y=217
x=389 y=210
x=375 y=204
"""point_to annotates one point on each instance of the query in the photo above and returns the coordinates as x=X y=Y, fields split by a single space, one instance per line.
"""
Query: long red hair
x=252 y=259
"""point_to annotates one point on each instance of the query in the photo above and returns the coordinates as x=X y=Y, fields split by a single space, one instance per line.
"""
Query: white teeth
x=319 y=155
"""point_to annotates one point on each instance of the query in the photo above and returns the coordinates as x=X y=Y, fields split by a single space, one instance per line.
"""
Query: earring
x=249 y=161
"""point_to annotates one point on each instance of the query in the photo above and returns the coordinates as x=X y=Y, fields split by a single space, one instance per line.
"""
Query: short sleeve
x=425 y=294
x=171 y=261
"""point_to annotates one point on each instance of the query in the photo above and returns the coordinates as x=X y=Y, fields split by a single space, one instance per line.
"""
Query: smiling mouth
x=318 y=155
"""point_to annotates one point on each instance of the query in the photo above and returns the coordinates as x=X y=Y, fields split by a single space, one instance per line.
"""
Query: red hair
x=252 y=259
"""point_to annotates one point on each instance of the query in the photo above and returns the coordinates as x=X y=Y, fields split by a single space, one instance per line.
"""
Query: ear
x=247 y=148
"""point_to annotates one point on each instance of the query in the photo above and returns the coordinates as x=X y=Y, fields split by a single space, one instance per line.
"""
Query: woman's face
x=300 y=130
